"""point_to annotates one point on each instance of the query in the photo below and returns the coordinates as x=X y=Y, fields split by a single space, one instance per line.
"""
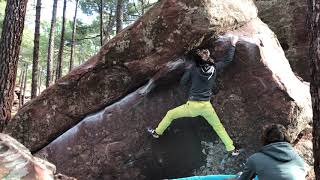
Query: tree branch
x=92 y=37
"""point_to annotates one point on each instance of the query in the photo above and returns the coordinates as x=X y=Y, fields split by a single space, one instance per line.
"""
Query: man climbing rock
x=202 y=76
x=276 y=160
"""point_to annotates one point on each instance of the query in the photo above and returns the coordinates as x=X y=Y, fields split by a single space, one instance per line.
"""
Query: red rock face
x=288 y=19
x=113 y=143
x=258 y=88
x=305 y=150
x=126 y=62
x=268 y=90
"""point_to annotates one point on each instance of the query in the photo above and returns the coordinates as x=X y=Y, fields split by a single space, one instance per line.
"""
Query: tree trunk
x=315 y=80
x=53 y=74
x=20 y=76
x=25 y=84
x=73 y=41
x=119 y=16
x=60 y=55
x=111 y=22
x=142 y=7
x=39 y=78
x=51 y=43
x=21 y=85
x=35 y=62
x=101 y=21
x=10 y=42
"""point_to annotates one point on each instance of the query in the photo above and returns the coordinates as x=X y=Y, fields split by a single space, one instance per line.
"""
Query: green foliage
x=87 y=35
x=87 y=39
x=91 y=7
x=132 y=8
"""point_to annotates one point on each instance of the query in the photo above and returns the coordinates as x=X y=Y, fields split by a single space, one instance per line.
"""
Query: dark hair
x=197 y=59
x=274 y=133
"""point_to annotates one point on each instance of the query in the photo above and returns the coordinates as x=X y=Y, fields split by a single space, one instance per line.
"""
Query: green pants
x=193 y=109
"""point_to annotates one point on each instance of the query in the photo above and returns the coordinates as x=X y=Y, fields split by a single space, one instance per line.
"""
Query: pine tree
x=60 y=55
x=10 y=42
x=315 y=80
x=73 y=41
x=119 y=16
x=51 y=43
x=35 y=62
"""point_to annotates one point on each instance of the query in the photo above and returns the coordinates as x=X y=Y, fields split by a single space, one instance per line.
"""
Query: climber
x=201 y=76
x=276 y=160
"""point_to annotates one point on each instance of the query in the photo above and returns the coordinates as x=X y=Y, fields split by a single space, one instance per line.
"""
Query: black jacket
x=203 y=77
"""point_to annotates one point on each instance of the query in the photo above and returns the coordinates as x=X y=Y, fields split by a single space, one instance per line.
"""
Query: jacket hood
x=281 y=151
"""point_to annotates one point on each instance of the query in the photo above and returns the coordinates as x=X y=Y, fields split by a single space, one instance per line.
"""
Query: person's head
x=202 y=56
x=274 y=133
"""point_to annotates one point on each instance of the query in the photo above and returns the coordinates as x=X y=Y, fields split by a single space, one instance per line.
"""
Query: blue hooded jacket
x=276 y=161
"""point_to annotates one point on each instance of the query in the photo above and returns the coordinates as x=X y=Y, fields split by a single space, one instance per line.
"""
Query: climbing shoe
x=233 y=153
x=153 y=132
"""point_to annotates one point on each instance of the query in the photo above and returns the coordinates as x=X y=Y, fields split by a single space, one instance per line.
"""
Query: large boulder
x=258 y=88
x=305 y=150
x=288 y=19
x=169 y=29
x=16 y=162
